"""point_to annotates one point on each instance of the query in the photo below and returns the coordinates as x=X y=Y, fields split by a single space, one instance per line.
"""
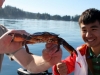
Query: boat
x=22 y=71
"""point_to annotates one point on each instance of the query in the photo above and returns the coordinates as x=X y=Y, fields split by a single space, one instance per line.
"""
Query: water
x=66 y=29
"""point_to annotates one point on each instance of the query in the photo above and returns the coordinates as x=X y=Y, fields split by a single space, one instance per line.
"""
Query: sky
x=54 y=7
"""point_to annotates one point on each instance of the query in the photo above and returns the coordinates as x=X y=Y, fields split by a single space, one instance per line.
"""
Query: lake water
x=66 y=29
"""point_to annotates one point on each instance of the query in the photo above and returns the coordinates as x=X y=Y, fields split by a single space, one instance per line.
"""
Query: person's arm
x=66 y=67
x=30 y=62
x=35 y=63
x=2 y=31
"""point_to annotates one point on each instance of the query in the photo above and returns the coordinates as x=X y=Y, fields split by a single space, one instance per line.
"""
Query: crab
x=42 y=37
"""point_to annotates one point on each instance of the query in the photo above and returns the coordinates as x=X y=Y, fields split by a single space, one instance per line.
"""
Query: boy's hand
x=62 y=68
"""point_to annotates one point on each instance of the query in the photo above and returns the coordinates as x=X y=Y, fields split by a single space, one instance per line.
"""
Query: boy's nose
x=88 y=34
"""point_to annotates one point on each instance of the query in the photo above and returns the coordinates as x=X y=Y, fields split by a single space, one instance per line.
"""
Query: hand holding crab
x=51 y=55
x=5 y=42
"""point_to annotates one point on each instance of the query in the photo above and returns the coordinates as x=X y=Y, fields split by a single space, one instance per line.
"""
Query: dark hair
x=89 y=16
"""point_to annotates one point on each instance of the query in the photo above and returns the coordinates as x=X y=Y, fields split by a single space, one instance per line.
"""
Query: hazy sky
x=54 y=7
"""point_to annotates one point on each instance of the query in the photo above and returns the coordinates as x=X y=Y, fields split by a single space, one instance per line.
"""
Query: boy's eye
x=83 y=30
x=94 y=29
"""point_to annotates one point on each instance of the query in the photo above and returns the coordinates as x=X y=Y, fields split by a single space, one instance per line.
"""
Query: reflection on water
x=68 y=30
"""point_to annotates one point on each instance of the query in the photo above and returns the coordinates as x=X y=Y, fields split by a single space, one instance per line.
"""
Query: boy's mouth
x=90 y=40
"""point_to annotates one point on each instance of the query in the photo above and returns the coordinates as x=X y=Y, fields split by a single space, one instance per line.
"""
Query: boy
x=88 y=60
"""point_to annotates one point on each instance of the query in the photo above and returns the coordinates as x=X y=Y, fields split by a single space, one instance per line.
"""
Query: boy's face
x=91 y=34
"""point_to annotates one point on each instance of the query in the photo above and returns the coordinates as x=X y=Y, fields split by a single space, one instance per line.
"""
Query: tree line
x=9 y=12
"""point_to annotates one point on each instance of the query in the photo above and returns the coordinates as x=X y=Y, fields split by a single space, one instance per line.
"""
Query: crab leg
x=27 y=49
x=68 y=47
